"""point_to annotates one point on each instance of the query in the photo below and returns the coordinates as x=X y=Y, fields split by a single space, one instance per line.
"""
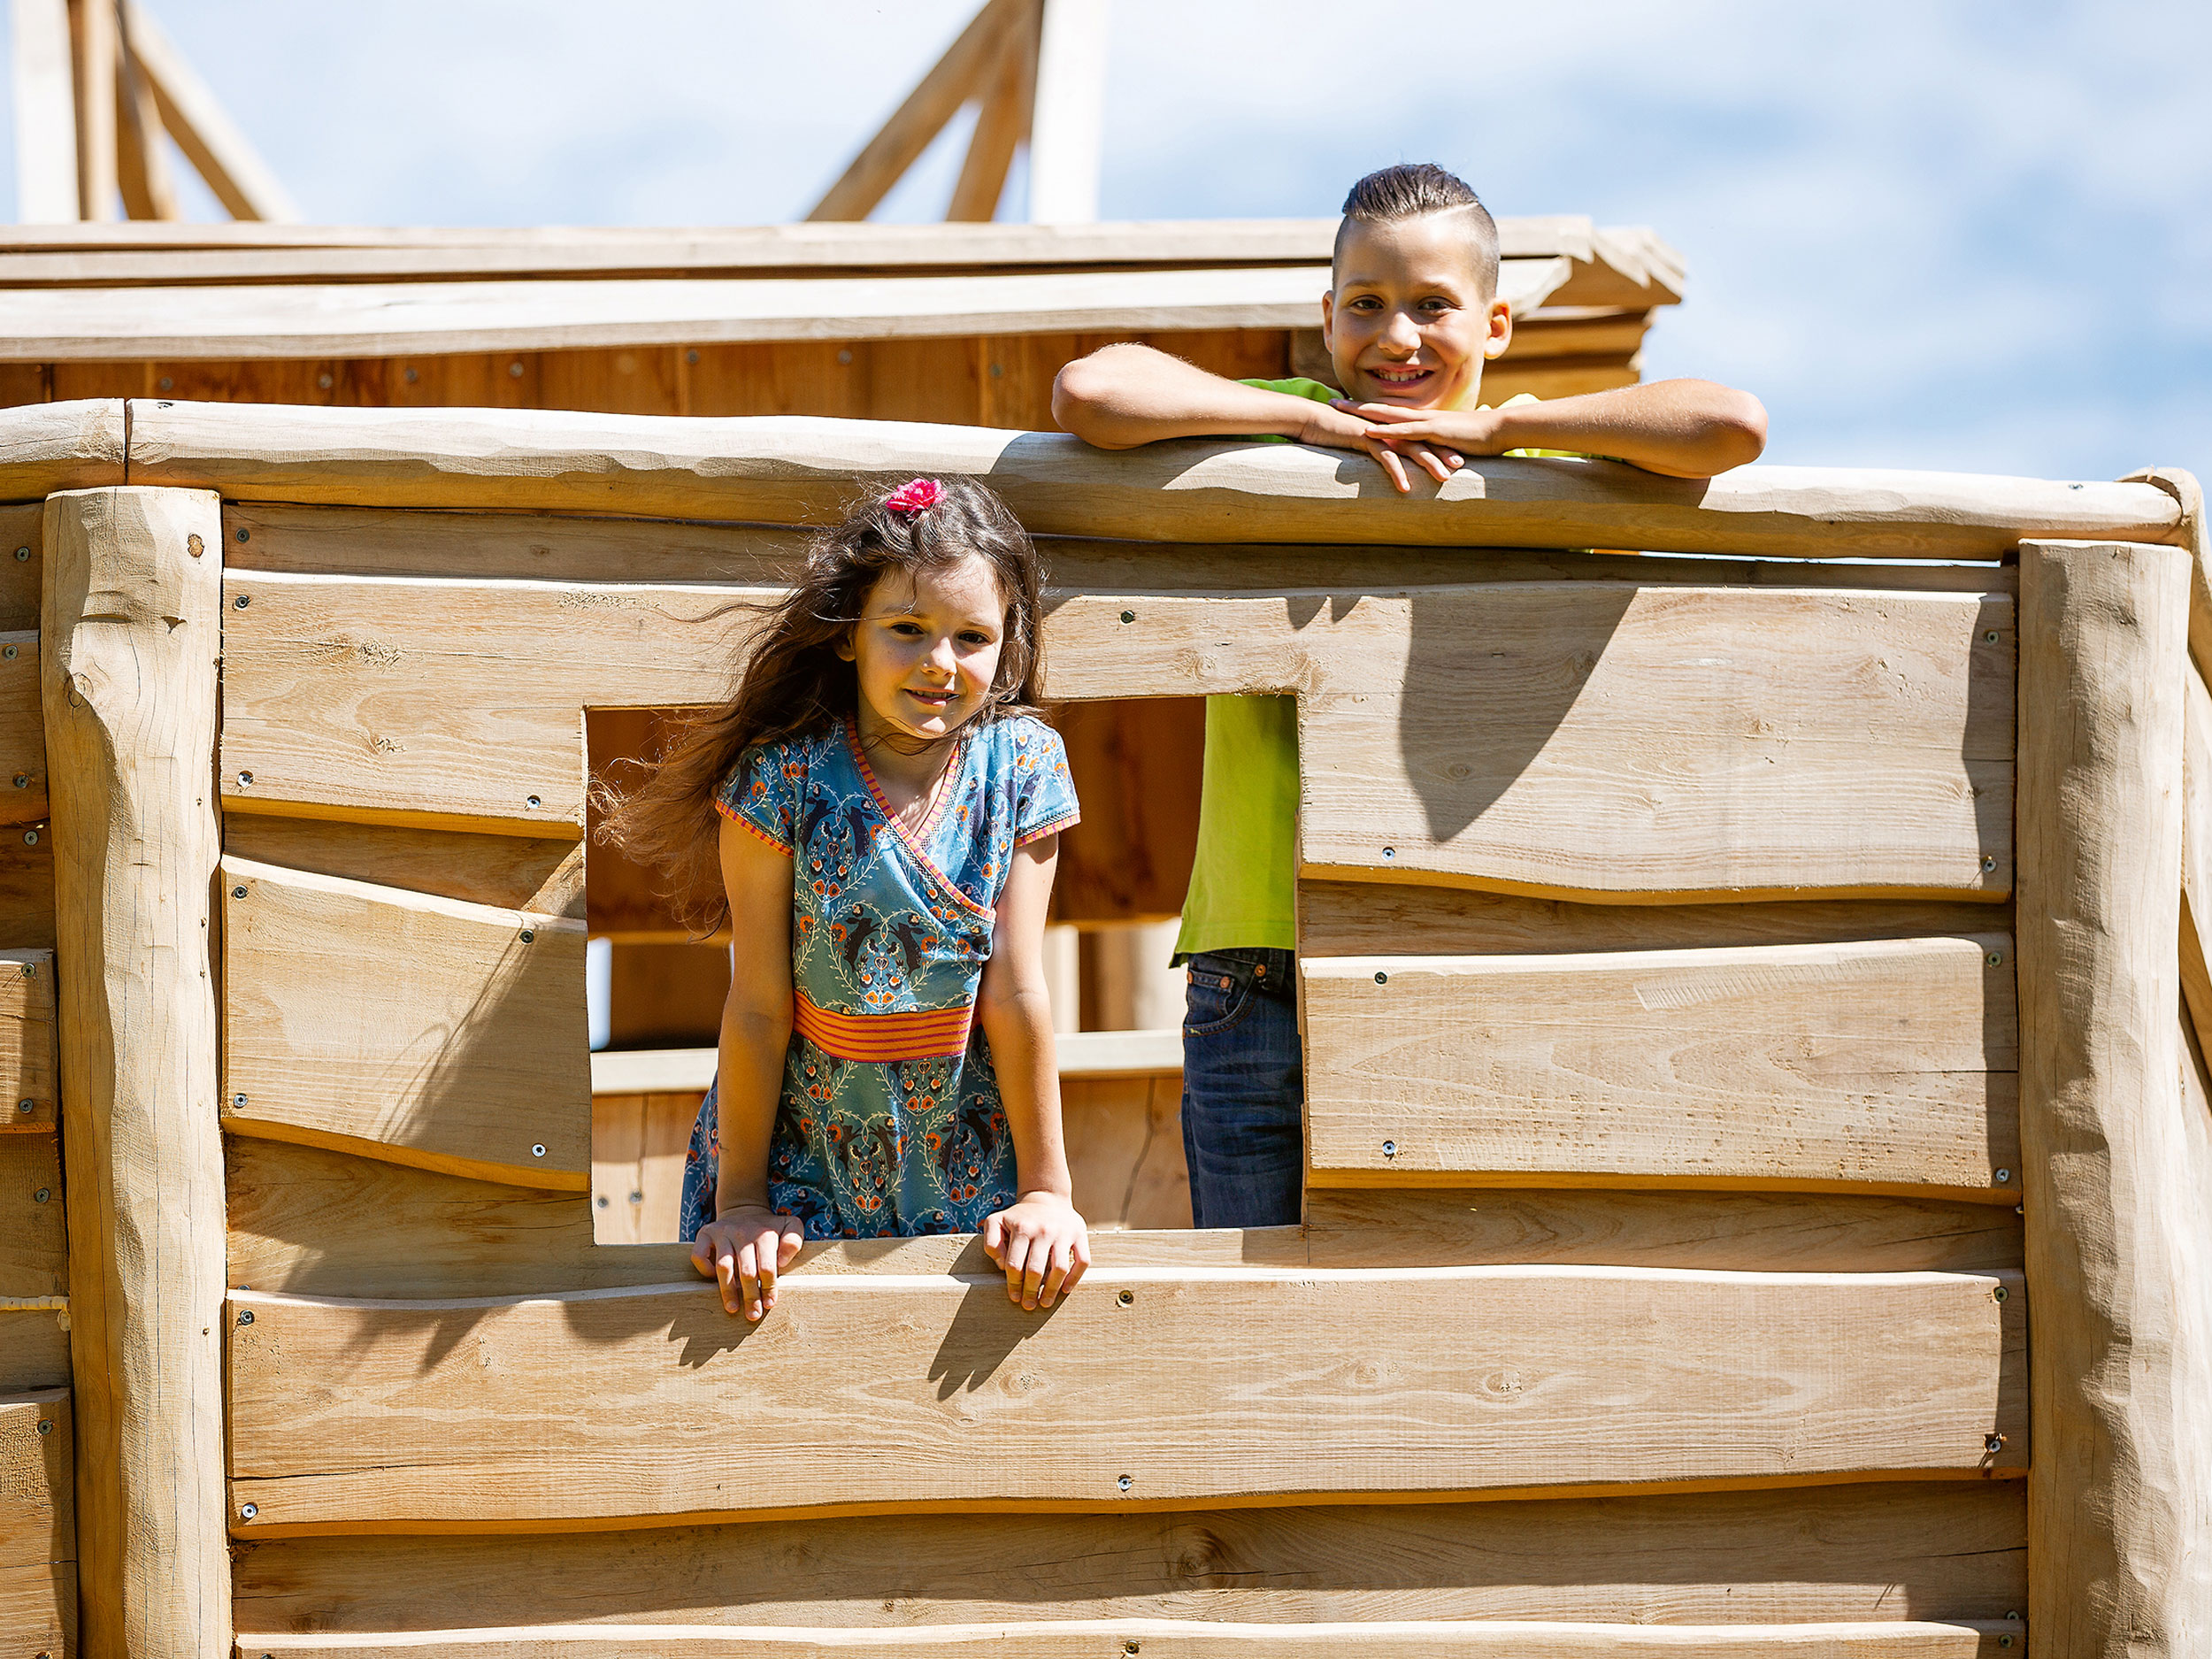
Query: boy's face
x=1408 y=322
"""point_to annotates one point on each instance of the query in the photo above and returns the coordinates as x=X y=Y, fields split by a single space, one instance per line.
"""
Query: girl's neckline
x=940 y=790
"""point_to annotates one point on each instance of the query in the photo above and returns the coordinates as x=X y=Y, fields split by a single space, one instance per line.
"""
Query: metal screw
x=42 y=1195
x=514 y=371
x=2000 y=1294
x=238 y=1102
x=411 y=376
x=1992 y=1442
x=528 y=934
x=2004 y=1641
x=1382 y=978
x=322 y=380
x=844 y=356
x=602 y=1201
x=30 y=838
x=2012 y=1613
x=1991 y=636
x=30 y=970
x=165 y=384
x=1390 y=1149
x=2019 y=1210
x=242 y=602
x=195 y=546
x=1129 y=1646
x=1127 y=1298
x=22 y=554
x=245 y=778
x=1125 y=1481
x=637 y=1198
x=692 y=355
x=1128 y=615
x=8 y=651
x=1989 y=862
x=2003 y=1176
x=1390 y=852
x=23 y=780
x=246 y=1511
x=244 y=534
x=238 y=893
x=538 y=1151
x=26 y=1105
x=532 y=803
x=1996 y=959
x=46 y=1428
x=246 y=1317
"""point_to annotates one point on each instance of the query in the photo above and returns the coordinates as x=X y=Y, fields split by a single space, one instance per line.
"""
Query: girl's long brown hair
x=792 y=681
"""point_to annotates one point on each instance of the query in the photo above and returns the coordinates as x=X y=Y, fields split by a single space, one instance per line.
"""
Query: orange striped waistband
x=937 y=1034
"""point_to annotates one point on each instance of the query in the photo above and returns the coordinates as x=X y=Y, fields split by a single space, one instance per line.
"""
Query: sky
x=1943 y=235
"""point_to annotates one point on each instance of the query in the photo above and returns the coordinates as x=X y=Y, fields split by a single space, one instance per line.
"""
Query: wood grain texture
x=1371 y=918
x=2196 y=841
x=26 y=889
x=34 y=1245
x=399 y=1025
x=1194 y=1639
x=1889 y=1066
x=1125 y=1139
x=38 y=1517
x=34 y=1350
x=508 y=873
x=638 y=1143
x=131 y=629
x=50 y=447
x=798 y=471
x=28 y=1058
x=22 y=560
x=1925 y=1549
x=1438 y=1382
x=2196 y=535
x=1742 y=1232
x=38 y=1609
x=22 y=732
x=2119 y=1174
x=450 y=703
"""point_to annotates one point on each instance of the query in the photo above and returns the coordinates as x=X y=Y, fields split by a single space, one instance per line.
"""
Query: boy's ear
x=1500 y=333
x=1328 y=320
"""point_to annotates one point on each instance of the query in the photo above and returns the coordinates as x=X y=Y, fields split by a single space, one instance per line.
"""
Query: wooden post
x=2121 y=1432
x=45 y=114
x=92 y=29
x=131 y=636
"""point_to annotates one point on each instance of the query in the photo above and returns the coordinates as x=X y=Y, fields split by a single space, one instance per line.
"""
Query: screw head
x=26 y=1106
x=238 y=893
x=1125 y=1481
x=844 y=356
x=2004 y=1641
x=246 y=1511
x=1989 y=862
x=2003 y=1176
x=1991 y=636
x=603 y=1201
x=1992 y=1442
x=637 y=1198
x=23 y=780
x=238 y=1102
x=1382 y=978
x=2000 y=1294
x=532 y=803
x=195 y=546
x=1129 y=1647
x=246 y=1316
x=538 y=1151
x=692 y=355
x=30 y=838
x=22 y=554
x=1390 y=852
x=528 y=934
x=244 y=534
x=1128 y=615
x=1127 y=1298
x=8 y=651
x=1996 y=959
x=514 y=371
x=46 y=1427
x=245 y=778
x=412 y=375
x=1390 y=1149
x=42 y=1195
x=242 y=602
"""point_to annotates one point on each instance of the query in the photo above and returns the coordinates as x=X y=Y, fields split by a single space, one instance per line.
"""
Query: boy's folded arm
x=1122 y=396
x=1679 y=428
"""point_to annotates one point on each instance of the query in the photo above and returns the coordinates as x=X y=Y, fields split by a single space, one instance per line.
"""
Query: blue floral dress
x=890 y=1122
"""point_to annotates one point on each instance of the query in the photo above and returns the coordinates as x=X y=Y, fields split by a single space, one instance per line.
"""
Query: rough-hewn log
x=2118 y=1188
x=132 y=629
x=48 y=447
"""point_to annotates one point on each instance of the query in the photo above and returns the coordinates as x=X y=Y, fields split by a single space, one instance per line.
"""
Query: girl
x=890 y=807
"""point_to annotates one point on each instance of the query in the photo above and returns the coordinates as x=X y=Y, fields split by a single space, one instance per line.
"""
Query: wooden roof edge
x=796 y=469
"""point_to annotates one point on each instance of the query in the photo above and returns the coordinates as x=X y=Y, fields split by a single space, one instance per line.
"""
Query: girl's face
x=926 y=650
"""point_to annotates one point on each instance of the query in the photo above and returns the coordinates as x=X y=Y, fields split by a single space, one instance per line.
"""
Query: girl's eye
x=972 y=638
x=910 y=629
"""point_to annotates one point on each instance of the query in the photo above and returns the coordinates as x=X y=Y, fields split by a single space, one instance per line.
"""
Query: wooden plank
x=203 y=130
x=28 y=1087
x=510 y=872
x=34 y=1345
x=132 y=632
x=1002 y=122
x=400 y=1026
x=92 y=39
x=26 y=887
x=618 y=1152
x=34 y=1245
x=38 y=1520
x=1363 y=919
x=2117 y=1170
x=143 y=163
x=369 y=699
x=791 y=472
x=1735 y=1231
x=1928 y=1549
x=21 y=564
x=2196 y=843
x=50 y=447
x=38 y=1609
x=1136 y=765
x=481 y=1415
x=1193 y=1638
x=1751 y=744
x=951 y=82
x=22 y=732
x=45 y=112
x=1889 y=1066
x=1125 y=1139
x=326 y=1223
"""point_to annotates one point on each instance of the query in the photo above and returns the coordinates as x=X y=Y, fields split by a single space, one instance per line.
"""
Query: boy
x=1411 y=316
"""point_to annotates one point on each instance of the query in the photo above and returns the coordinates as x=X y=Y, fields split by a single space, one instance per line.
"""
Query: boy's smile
x=1409 y=322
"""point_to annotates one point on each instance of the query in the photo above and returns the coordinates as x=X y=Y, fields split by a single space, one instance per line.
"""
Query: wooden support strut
x=2116 y=1177
x=132 y=615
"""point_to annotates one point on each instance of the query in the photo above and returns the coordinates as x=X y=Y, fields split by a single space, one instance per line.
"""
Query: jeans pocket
x=1216 y=1002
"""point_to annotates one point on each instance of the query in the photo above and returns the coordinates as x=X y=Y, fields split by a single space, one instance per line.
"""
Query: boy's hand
x=1344 y=425
x=1041 y=1243
x=1457 y=433
x=743 y=1249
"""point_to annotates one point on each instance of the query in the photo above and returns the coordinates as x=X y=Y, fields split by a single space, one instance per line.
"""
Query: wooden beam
x=34 y=1343
x=1190 y=1639
x=92 y=36
x=1878 y=1067
x=508 y=873
x=149 y=191
x=785 y=471
x=28 y=1082
x=1067 y=134
x=1003 y=123
x=486 y=1415
x=132 y=635
x=2118 y=1170
x=2196 y=847
x=2188 y=496
x=203 y=129
x=22 y=731
x=952 y=82
x=45 y=113
x=50 y=447
x=397 y=1025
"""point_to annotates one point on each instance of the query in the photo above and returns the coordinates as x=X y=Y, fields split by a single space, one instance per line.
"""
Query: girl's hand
x=743 y=1248
x=1041 y=1243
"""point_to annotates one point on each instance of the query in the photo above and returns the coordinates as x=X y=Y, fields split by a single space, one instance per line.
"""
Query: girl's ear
x=844 y=644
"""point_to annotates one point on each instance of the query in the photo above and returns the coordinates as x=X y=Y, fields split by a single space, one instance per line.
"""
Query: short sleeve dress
x=889 y=1124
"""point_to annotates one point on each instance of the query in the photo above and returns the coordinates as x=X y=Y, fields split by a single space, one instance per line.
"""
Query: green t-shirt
x=1244 y=882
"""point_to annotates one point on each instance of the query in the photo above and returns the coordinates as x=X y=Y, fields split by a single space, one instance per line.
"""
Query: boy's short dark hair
x=1413 y=188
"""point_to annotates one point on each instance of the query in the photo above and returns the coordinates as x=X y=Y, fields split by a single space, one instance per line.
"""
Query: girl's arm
x=747 y=1244
x=1040 y=1240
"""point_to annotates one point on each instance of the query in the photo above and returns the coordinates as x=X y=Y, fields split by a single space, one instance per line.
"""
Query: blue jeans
x=1243 y=1090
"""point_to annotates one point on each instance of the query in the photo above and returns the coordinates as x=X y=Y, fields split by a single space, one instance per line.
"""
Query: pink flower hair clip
x=916 y=497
